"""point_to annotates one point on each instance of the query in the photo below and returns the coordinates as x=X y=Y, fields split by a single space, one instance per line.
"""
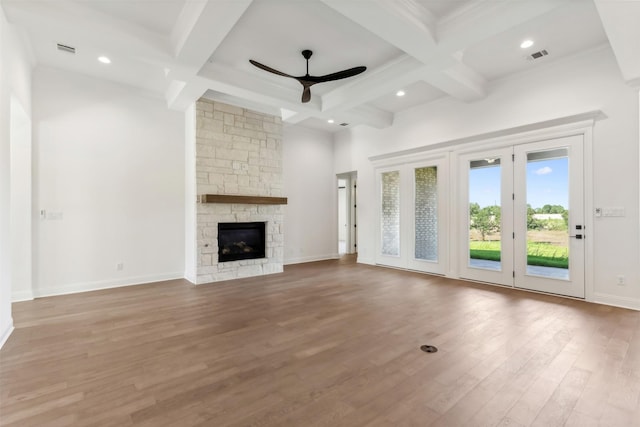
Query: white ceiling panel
x=415 y=94
x=570 y=29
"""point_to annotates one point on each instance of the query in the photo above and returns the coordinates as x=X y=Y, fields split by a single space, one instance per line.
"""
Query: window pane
x=548 y=213
x=485 y=248
x=426 y=212
x=391 y=213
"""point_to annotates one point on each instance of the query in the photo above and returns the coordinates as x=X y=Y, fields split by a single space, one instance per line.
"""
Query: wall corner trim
x=6 y=334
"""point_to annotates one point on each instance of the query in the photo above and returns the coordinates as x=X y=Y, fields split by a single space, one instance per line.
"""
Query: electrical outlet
x=119 y=266
x=621 y=281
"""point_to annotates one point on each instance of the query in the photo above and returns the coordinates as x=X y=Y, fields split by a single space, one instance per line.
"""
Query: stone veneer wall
x=238 y=152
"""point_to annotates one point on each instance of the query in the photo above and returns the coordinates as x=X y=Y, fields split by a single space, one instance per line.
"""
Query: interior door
x=486 y=216
x=549 y=216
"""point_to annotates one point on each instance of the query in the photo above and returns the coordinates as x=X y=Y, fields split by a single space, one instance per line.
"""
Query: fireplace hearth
x=241 y=240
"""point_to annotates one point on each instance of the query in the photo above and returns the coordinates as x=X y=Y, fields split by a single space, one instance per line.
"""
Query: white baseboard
x=311 y=259
x=368 y=261
x=6 y=334
x=191 y=280
x=616 y=301
x=17 y=296
x=73 y=288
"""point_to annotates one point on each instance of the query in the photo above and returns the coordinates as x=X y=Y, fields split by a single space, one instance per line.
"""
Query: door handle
x=578 y=236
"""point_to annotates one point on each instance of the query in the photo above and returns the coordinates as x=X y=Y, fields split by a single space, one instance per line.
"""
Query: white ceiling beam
x=458 y=80
x=376 y=83
x=621 y=24
x=180 y=95
x=411 y=28
x=367 y=115
x=201 y=27
x=199 y=30
x=404 y=23
x=243 y=103
x=259 y=89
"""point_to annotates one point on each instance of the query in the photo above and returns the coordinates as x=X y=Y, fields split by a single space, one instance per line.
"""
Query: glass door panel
x=390 y=215
x=426 y=213
x=428 y=216
x=486 y=246
x=547 y=195
x=485 y=190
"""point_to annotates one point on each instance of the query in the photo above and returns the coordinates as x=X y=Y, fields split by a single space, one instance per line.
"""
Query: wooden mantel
x=248 y=200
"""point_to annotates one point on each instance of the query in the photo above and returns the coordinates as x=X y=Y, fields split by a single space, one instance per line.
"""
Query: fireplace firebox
x=241 y=240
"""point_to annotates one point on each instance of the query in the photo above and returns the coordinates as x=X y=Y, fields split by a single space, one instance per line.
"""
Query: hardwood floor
x=323 y=344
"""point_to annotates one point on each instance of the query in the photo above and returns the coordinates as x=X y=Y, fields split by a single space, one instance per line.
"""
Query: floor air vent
x=66 y=48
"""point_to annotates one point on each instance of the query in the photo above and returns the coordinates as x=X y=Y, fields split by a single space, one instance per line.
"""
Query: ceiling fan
x=307 y=81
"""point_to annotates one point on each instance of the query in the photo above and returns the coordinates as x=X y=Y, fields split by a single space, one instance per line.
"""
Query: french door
x=412 y=216
x=549 y=216
x=523 y=216
x=486 y=209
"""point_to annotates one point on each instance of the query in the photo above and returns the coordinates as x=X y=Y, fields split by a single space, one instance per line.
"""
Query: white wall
x=587 y=82
x=15 y=87
x=109 y=170
x=310 y=227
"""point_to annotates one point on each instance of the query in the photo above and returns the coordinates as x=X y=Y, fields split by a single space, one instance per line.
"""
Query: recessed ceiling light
x=104 y=60
x=330 y=121
x=526 y=44
x=400 y=93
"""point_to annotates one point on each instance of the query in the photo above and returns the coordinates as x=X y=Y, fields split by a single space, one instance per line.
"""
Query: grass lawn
x=538 y=253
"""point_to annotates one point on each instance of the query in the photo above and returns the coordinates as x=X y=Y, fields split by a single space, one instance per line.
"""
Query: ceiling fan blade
x=337 y=76
x=306 y=94
x=269 y=69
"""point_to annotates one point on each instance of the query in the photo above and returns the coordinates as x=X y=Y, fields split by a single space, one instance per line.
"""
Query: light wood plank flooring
x=323 y=344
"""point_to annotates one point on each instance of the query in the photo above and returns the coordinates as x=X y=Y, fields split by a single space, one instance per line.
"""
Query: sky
x=547 y=184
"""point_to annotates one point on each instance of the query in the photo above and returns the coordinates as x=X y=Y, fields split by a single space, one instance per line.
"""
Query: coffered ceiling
x=184 y=49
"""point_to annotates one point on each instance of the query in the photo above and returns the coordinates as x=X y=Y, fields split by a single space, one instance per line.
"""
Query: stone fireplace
x=239 y=180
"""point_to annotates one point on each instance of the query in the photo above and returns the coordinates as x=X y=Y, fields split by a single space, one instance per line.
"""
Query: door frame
x=351 y=214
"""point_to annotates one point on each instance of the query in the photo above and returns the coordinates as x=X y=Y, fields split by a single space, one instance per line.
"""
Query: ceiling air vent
x=537 y=55
x=344 y=124
x=66 y=48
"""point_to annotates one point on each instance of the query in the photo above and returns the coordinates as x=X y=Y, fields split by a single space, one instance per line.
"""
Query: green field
x=538 y=253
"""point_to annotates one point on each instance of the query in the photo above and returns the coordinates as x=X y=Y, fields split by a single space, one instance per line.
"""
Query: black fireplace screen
x=241 y=240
